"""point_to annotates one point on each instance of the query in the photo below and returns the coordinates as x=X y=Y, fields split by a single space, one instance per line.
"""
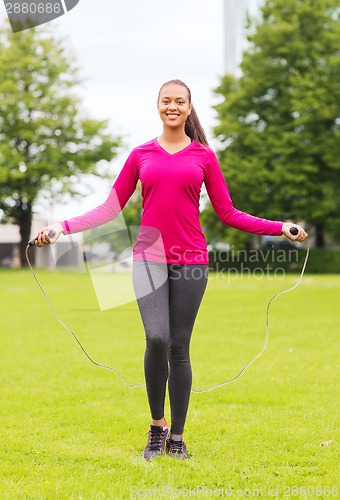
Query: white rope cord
x=267 y=330
x=131 y=386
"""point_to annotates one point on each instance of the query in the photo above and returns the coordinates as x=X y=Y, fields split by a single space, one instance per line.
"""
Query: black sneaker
x=156 y=441
x=177 y=449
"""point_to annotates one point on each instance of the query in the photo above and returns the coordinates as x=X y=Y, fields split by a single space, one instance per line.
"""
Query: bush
x=321 y=260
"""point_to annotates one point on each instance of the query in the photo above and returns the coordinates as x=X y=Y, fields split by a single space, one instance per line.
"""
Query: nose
x=172 y=106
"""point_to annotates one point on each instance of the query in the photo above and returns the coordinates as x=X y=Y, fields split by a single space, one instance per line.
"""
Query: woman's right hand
x=43 y=237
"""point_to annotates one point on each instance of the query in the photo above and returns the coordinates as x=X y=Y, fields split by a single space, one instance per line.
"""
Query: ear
x=190 y=108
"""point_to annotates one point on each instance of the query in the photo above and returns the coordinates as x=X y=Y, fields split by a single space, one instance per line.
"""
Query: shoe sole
x=177 y=456
x=155 y=455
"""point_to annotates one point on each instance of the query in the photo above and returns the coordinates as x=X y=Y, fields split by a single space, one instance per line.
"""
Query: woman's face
x=173 y=105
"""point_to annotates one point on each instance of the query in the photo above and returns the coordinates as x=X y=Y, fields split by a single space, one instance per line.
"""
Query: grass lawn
x=70 y=430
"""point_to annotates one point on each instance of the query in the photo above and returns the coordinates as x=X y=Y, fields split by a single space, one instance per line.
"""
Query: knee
x=178 y=353
x=157 y=341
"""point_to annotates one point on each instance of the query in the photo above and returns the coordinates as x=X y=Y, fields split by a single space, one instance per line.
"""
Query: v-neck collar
x=172 y=154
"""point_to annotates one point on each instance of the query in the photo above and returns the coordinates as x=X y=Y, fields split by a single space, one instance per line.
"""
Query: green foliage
x=121 y=234
x=71 y=430
x=280 y=120
x=45 y=136
x=267 y=261
x=133 y=211
x=214 y=231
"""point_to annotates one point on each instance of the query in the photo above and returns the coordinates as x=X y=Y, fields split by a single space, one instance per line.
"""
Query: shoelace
x=155 y=438
x=176 y=446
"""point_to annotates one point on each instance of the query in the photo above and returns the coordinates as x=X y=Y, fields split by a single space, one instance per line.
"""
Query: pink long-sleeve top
x=170 y=230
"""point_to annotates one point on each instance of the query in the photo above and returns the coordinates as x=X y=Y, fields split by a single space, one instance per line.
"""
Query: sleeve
x=119 y=195
x=218 y=193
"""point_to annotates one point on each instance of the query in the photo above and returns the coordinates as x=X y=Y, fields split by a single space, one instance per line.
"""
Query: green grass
x=70 y=430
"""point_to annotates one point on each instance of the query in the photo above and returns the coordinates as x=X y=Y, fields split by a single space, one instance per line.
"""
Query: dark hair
x=193 y=127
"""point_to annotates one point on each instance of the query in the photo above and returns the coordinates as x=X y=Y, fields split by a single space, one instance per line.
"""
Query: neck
x=173 y=136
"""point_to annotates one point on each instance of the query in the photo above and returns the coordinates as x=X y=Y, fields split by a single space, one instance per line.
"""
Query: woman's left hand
x=301 y=236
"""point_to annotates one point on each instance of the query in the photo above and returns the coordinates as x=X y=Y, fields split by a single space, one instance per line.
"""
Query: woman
x=170 y=259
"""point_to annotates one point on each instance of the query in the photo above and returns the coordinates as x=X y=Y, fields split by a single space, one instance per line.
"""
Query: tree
x=124 y=232
x=280 y=120
x=45 y=137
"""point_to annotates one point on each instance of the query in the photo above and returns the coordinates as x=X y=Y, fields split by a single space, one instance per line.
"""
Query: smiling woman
x=173 y=108
x=177 y=112
x=170 y=257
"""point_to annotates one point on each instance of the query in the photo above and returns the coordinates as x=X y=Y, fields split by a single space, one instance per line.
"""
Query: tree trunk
x=25 y=223
x=320 y=237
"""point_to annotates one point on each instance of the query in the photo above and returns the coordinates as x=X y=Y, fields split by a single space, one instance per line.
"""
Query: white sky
x=125 y=51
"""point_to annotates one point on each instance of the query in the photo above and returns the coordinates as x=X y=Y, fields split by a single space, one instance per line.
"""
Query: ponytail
x=193 y=127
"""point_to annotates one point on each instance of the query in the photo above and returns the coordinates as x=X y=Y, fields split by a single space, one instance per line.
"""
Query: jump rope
x=293 y=231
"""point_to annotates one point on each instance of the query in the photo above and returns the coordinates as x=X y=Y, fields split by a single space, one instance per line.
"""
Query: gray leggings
x=168 y=297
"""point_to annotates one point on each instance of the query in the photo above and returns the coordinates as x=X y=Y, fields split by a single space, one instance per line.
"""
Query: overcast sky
x=126 y=50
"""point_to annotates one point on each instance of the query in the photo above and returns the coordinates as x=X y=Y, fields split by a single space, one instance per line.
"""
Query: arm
x=221 y=201
x=119 y=195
